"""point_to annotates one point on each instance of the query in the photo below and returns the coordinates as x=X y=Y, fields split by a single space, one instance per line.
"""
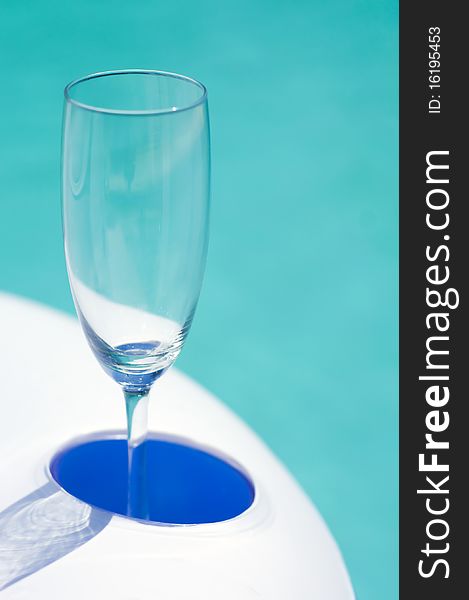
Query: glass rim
x=144 y=112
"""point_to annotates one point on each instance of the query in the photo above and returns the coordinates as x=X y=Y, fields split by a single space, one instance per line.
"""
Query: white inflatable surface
x=53 y=390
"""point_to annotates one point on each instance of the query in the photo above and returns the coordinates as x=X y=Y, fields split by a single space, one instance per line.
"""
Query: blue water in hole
x=186 y=485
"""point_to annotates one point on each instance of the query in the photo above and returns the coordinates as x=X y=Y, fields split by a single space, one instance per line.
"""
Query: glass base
x=186 y=485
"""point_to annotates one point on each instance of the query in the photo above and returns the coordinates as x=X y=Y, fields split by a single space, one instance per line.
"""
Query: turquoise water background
x=297 y=325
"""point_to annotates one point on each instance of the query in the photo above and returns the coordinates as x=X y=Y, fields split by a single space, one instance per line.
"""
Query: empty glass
x=135 y=189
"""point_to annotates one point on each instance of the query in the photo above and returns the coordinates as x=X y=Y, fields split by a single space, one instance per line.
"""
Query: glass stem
x=136 y=404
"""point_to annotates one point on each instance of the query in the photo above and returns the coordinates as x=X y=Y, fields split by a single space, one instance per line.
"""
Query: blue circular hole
x=186 y=485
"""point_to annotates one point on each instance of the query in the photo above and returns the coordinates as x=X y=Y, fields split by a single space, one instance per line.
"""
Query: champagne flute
x=135 y=203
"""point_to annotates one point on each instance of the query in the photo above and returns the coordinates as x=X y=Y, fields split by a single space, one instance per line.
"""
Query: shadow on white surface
x=41 y=528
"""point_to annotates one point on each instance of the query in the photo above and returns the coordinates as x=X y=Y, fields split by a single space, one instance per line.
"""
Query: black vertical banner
x=434 y=347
